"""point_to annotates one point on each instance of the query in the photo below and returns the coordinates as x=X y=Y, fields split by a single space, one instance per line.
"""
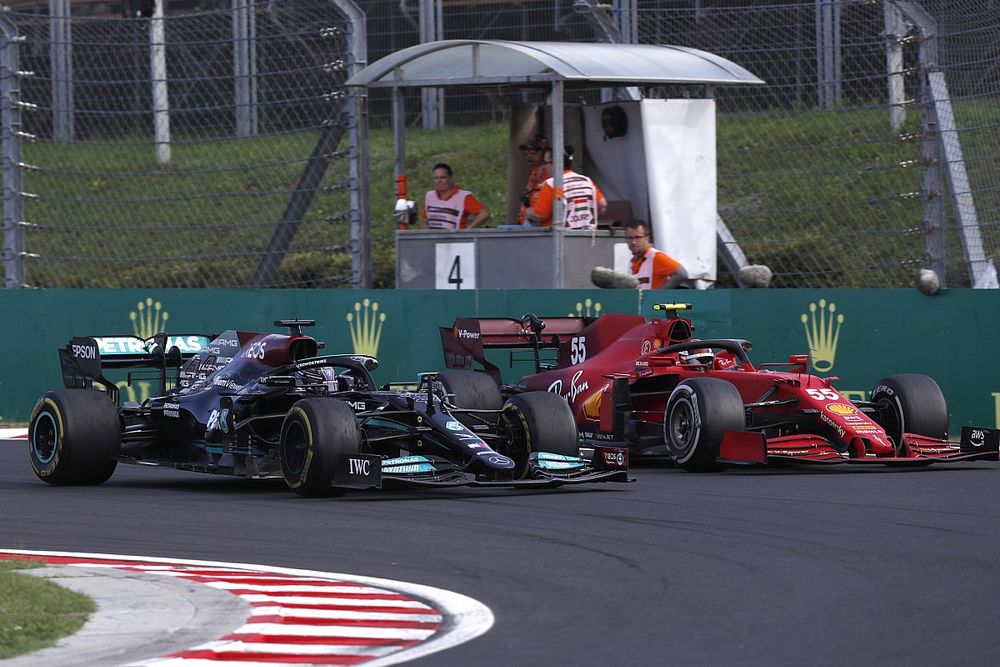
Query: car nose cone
x=498 y=462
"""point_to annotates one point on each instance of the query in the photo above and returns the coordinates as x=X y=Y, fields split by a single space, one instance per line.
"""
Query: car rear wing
x=84 y=358
x=469 y=337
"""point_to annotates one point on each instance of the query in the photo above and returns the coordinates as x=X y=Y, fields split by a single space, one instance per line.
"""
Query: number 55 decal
x=578 y=350
x=823 y=394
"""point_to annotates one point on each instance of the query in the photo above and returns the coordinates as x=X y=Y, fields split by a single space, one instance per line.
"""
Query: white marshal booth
x=655 y=160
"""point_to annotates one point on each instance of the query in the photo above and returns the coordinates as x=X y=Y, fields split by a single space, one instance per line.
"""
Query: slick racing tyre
x=316 y=431
x=73 y=437
x=910 y=403
x=537 y=421
x=472 y=391
x=697 y=416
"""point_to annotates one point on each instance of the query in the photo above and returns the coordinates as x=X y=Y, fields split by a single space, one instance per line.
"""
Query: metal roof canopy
x=470 y=62
x=495 y=62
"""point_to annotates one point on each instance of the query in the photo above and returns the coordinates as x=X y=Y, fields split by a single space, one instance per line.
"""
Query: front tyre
x=910 y=403
x=73 y=437
x=698 y=414
x=538 y=421
x=315 y=433
x=471 y=391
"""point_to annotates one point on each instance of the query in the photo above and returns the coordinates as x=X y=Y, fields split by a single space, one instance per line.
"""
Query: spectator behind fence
x=654 y=269
x=584 y=200
x=449 y=207
x=534 y=152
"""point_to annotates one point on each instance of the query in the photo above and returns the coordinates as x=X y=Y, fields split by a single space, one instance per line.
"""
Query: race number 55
x=823 y=394
x=455 y=266
x=578 y=350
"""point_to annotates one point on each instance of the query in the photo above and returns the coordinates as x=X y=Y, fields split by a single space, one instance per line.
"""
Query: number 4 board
x=455 y=266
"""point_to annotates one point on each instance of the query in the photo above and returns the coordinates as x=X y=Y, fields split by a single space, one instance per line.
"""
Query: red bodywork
x=618 y=371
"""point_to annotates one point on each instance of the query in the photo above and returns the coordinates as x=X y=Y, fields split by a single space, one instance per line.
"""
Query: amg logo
x=465 y=333
x=357 y=405
x=85 y=351
x=359 y=466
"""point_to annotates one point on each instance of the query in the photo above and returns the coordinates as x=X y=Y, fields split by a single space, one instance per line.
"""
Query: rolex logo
x=148 y=318
x=584 y=309
x=365 y=324
x=822 y=335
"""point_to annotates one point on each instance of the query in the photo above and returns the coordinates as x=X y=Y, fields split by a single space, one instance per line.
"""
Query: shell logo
x=841 y=409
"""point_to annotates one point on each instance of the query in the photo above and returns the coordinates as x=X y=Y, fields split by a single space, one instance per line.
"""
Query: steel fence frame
x=58 y=126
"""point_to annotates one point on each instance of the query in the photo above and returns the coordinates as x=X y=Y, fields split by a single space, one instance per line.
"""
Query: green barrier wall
x=857 y=335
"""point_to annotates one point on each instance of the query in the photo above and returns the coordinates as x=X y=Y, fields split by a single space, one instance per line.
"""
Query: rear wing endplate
x=83 y=359
x=468 y=338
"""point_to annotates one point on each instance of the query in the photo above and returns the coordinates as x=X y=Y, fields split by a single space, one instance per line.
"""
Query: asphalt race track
x=869 y=566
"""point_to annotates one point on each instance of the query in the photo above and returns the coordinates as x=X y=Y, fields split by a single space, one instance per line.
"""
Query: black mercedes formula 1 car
x=263 y=405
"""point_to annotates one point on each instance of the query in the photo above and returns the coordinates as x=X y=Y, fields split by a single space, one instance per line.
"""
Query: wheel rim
x=514 y=438
x=294 y=448
x=888 y=416
x=681 y=427
x=44 y=439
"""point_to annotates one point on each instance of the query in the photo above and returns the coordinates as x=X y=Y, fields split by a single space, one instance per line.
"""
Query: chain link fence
x=206 y=149
x=842 y=172
x=824 y=175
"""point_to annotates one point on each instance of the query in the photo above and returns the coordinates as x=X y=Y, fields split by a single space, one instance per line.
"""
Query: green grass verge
x=35 y=612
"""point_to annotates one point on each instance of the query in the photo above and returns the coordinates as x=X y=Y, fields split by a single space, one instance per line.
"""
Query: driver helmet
x=699 y=357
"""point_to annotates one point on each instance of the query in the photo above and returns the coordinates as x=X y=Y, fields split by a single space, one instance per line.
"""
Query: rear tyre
x=697 y=416
x=472 y=391
x=910 y=403
x=538 y=421
x=73 y=437
x=316 y=431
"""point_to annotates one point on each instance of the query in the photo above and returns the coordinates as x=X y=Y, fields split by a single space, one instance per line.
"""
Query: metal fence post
x=895 y=31
x=61 y=55
x=158 y=69
x=431 y=29
x=10 y=98
x=828 y=51
x=940 y=121
x=245 y=66
x=361 y=228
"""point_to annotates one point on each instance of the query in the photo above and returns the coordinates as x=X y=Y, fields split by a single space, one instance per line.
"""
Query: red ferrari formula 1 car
x=649 y=383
